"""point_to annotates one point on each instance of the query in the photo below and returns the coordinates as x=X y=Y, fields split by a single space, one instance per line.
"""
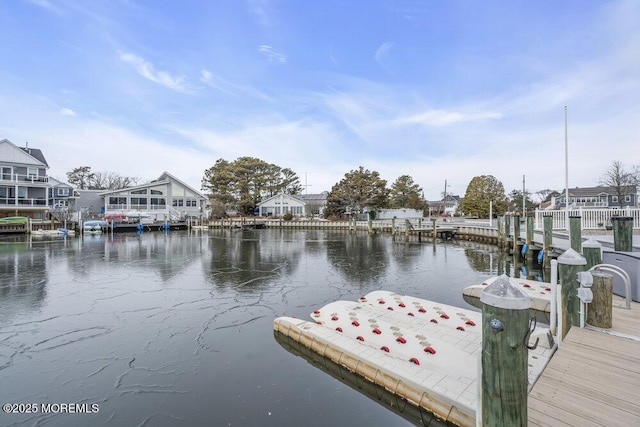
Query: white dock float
x=539 y=292
x=422 y=351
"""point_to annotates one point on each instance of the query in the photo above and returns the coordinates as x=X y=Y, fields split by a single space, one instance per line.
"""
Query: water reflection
x=176 y=329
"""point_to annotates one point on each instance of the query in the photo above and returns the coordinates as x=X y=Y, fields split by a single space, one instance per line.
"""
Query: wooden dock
x=594 y=377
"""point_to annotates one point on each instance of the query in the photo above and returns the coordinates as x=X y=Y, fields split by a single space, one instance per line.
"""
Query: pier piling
x=505 y=331
x=600 y=312
x=575 y=233
x=622 y=233
x=547 y=241
x=570 y=263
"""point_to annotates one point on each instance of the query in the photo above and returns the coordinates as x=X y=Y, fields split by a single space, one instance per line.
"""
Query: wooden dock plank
x=593 y=379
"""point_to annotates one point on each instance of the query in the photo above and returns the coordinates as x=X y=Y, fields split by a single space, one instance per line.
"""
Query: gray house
x=598 y=197
x=24 y=184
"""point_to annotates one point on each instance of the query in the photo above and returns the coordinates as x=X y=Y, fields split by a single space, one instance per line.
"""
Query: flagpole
x=566 y=169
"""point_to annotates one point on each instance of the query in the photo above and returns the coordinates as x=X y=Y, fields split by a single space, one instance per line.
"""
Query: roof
x=22 y=155
x=596 y=191
x=164 y=178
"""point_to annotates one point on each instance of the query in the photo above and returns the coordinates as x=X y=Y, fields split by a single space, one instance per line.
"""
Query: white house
x=300 y=205
x=165 y=197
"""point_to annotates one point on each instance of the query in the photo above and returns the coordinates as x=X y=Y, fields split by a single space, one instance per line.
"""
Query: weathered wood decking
x=594 y=377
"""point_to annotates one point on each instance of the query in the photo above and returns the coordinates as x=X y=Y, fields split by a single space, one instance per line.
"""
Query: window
x=191 y=203
x=139 y=201
x=32 y=172
x=157 y=201
x=117 y=200
x=22 y=192
x=614 y=199
x=5 y=172
x=63 y=191
x=627 y=198
x=143 y=191
x=160 y=192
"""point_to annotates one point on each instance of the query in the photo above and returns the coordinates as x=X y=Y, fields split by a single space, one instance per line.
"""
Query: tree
x=243 y=183
x=358 y=189
x=61 y=214
x=515 y=202
x=81 y=177
x=621 y=180
x=480 y=192
x=405 y=193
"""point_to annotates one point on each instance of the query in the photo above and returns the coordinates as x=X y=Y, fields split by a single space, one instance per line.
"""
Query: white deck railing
x=591 y=219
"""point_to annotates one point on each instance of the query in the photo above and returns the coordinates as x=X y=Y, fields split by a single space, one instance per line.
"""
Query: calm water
x=176 y=329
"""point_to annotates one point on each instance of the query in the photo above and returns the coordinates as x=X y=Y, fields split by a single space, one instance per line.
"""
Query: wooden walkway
x=594 y=378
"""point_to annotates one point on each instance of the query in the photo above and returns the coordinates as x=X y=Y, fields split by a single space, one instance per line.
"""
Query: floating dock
x=539 y=293
x=421 y=351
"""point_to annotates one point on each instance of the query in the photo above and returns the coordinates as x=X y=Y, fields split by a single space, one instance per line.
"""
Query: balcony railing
x=23 y=178
x=6 y=201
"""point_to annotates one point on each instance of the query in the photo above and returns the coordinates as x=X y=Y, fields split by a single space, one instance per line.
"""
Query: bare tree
x=61 y=214
x=623 y=181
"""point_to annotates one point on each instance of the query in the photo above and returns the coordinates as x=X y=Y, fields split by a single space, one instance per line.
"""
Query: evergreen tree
x=481 y=191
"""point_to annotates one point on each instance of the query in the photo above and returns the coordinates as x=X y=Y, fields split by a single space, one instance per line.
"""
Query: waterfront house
x=61 y=195
x=24 y=184
x=165 y=198
x=447 y=206
x=597 y=197
x=299 y=205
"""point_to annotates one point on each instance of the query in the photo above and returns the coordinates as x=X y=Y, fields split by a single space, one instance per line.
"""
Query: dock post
x=547 y=240
x=407 y=226
x=500 y=230
x=529 y=253
x=600 y=312
x=592 y=251
x=434 y=229
x=570 y=263
x=622 y=233
x=369 y=223
x=505 y=328
x=516 y=235
x=393 y=226
x=507 y=230
x=575 y=233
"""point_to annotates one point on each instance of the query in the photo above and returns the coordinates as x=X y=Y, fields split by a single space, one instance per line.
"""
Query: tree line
x=243 y=183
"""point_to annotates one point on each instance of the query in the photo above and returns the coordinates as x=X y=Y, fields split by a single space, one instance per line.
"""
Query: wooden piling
x=516 y=235
x=369 y=223
x=600 y=311
x=505 y=325
x=507 y=230
x=547 y=240
x=575 y=233
x=570 y=263
x=434 y=228
x=622 y=233
x=500 y=230
x=530 y=226
x=592 y=251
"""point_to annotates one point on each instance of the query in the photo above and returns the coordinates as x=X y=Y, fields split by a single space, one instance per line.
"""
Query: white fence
x=591 y=219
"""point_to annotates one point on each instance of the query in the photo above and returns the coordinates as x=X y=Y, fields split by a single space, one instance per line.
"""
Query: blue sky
x=439 y=90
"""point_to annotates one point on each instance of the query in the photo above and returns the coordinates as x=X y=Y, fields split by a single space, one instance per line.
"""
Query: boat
x=425 y=352
x=14 y=220
x=94 y=226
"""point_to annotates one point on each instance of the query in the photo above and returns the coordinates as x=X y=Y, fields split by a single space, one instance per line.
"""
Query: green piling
x=500 y=230
x=516 y=235
x=622 y=233
x=547 y=240
x=575 y=233
x=592 y=251
x=507 y=230
x=570 y=263
x=529 y=239
x=505 y=323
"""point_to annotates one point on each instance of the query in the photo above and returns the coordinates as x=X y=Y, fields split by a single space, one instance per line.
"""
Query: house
x=164 y=198
x=61 y=195
x=447 y=206
x=24 y=184
x=597 y=197
x=299 y=205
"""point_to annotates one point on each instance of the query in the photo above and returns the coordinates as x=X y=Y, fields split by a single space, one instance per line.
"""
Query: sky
x=441 y=90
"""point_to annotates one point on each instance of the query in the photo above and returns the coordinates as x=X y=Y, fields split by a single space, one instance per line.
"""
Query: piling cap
x=505 y=293
x=592 y=244
x=571 y=257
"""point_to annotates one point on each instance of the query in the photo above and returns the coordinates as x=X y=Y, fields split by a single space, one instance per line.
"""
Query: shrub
x=287 y=216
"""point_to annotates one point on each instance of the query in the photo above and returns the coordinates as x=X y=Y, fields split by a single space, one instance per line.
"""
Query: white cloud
x=382 y=52
x=437 y=118
x=67 y=112
x=271 y=54
x=148 y=71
